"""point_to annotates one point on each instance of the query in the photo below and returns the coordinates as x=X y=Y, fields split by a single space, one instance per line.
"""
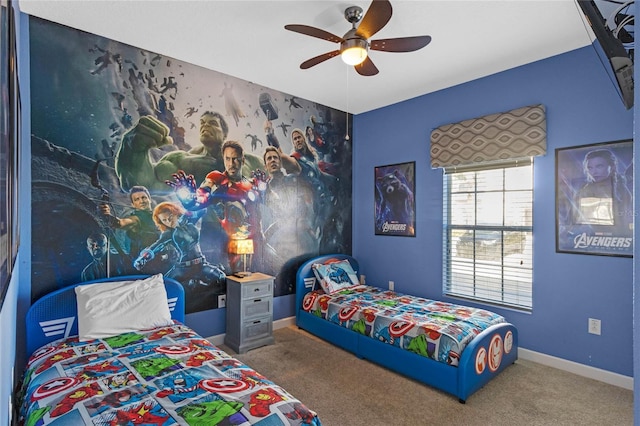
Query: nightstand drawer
x=256 y=307
x=257 y=289
x=249 y=311
x=257 y=329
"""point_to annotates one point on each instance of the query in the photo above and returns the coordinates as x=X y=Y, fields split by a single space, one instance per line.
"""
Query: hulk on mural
x=134 y=165
x=110 y=121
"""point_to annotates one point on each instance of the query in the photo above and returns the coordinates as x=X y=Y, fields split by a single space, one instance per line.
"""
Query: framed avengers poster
x=594 y=199
x=395 y=208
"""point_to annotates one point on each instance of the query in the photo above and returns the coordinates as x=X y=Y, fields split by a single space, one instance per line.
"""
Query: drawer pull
x=257 y=301
x=257 y=322
x=256 y=289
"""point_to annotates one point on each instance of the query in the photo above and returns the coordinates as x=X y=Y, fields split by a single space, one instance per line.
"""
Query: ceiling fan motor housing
x=353 y=14
x=351 y=40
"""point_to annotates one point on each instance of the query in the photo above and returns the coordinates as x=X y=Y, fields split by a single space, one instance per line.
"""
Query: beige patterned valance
x=519 y=133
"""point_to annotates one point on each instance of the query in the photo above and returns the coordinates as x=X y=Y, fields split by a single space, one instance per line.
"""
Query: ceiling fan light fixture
x=354 y=51
x=355 y=44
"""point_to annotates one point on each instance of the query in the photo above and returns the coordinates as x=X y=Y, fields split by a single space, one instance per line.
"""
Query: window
x=488 y=230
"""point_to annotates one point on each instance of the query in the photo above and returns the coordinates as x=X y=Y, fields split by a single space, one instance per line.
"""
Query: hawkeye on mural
x=145 y=164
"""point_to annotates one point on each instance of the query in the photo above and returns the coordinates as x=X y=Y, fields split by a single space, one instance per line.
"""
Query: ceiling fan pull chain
x=346 y=136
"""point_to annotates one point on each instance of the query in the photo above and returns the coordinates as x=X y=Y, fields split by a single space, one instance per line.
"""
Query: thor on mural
x=118 y=132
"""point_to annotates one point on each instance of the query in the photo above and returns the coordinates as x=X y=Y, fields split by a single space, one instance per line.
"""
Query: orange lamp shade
x=241 y=246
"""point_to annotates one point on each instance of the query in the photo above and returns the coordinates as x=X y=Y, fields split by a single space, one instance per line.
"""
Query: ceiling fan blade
x=313 y=32
x=367 y=68
x=318 y=59
x=402 y=44
x=376 y=17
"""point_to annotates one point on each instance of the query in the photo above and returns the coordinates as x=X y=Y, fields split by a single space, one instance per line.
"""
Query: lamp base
x=242 y=274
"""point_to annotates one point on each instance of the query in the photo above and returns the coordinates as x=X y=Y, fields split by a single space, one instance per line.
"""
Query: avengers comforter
x=430 y=328
x=164 y=376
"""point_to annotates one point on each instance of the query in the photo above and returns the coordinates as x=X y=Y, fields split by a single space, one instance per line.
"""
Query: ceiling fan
x=354 y=45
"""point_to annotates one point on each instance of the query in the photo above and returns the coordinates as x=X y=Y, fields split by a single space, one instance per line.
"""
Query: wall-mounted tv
x=617 y=59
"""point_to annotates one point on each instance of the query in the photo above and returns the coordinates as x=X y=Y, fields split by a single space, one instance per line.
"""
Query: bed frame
x=54 y=316
x=482 y=360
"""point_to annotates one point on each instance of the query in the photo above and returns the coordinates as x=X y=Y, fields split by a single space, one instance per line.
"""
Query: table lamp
x=244 y=248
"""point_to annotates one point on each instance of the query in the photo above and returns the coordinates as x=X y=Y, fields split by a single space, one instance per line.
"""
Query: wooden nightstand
x=249 y=312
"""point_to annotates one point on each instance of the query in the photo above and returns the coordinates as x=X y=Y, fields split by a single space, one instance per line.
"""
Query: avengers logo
x=584 y=241
x=394 y=227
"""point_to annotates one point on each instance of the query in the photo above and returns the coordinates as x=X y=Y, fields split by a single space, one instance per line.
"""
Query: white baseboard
x=284 y=322
x=615 y=379
x=217 y=340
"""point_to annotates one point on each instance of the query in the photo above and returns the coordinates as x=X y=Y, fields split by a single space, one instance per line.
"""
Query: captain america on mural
x=111 y=113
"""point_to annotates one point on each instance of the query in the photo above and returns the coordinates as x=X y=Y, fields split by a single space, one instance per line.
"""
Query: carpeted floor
x=345 y=390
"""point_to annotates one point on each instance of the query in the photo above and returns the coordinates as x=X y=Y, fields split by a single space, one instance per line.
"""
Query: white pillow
x=335 y=276
x=111 y=308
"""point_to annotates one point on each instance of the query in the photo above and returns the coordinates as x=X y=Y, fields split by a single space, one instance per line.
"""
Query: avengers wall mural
x=143 y=164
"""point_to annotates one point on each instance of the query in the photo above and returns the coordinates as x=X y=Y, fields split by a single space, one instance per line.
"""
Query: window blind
x=488 y=233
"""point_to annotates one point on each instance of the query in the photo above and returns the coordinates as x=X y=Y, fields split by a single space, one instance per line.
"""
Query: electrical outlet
x=594 y=326
x=392 y=285
x=363 y=279
x=222 y=301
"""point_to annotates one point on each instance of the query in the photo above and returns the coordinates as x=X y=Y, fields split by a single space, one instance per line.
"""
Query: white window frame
x=479 y=259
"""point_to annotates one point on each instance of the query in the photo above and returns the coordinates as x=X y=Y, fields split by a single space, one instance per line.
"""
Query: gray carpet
x=345 y=390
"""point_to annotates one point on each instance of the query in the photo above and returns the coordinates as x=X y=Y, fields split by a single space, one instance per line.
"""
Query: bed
x=413 y=336
x=155 y=370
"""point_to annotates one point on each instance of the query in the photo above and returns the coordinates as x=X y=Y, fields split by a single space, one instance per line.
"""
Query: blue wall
x=582 y=108
x=8 y=316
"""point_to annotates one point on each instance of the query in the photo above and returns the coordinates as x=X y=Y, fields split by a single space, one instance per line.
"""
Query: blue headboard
x=54 y=316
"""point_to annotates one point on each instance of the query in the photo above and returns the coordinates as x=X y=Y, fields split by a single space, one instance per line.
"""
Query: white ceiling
x=247 y=39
